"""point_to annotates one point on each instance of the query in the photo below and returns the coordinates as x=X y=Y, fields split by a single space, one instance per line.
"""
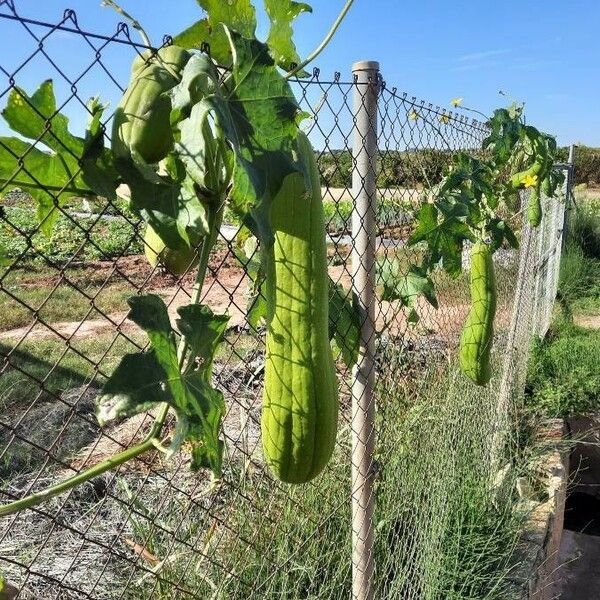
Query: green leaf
x=427 y=222
x=150 y=313
x=505 y=134
x=204 y=332
x=46 y=177
x=194 y=36
x=199 y=149
x=192 y=215
x=158 y=203
x=256 y=306
x=500 y=231
x=256 y=309
x=98 y=170
x=36 y=118
x=237 y=15
x=203 y=433
x=282 y=14
x=198 y=80
x=76 y=167
x=406 y=286
x=259 y=116
x=135 y=386
x=344 y=324
x=142 y=380
x=444 y=239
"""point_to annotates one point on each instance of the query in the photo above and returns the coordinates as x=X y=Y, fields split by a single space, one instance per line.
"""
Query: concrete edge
x=534 y=576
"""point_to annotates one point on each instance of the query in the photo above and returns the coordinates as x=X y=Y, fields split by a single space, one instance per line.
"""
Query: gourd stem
x=149 y=441
x=116 y=460
x=214 y=224
x=324 y=43
x=134 y=22
x=145 y=38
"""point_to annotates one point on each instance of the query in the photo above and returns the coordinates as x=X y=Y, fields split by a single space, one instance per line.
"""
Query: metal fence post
x=568 y=192
x=364 y=190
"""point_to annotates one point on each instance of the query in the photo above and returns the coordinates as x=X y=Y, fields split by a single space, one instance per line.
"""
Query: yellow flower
x=444 y=119
x=530 y=181
x=457 y=101
x=413 y=115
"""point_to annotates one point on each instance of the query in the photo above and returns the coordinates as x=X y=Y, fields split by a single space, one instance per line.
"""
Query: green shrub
x=584 y=228
x=564 y=372
x=587 y=165
x=408 y=169
x=579 y=279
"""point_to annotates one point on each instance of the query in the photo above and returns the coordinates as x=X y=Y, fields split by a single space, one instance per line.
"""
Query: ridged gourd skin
x=300 y=398
x=478 y=331
x=519 y=178
x=177 y=262
x=141 y=124
x=534 y=207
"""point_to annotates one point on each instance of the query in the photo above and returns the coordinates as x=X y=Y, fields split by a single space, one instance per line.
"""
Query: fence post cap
x=365 y=65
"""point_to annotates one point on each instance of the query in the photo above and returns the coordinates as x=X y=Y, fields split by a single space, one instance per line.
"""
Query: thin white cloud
x=477 y=56
x=473 y=66
x=534 y=65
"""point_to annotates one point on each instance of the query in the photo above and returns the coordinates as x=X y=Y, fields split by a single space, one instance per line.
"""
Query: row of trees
x=417 y=168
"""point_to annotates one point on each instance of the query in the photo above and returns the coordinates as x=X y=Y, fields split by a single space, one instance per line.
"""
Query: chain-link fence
x=412 y=504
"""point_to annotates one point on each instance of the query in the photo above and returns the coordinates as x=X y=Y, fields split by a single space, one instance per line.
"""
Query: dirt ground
x=225 y=290
x=588 y=321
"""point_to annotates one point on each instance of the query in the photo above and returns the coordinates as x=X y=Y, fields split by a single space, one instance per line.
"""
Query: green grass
x=61 y=303
x=579 y=279
x=564 y=372
x=564 y=369
x=579 y=282
x=584 y=226
x=35 y=374
x=443 y=531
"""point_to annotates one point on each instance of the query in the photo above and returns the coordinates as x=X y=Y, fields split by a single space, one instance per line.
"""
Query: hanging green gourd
x=478 y=330
x=300 y=399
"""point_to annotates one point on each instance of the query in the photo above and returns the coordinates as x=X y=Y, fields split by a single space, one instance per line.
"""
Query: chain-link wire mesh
x=152 y=529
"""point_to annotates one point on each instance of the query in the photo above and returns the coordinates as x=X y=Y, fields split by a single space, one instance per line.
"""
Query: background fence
x=423 y=475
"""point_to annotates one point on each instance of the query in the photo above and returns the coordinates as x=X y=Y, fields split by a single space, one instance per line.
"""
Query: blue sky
x=544 y=52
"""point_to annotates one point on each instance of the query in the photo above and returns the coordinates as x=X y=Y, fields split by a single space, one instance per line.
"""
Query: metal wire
x=151 y=529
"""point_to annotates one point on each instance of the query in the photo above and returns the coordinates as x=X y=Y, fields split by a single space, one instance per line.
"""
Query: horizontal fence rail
x=416 y=440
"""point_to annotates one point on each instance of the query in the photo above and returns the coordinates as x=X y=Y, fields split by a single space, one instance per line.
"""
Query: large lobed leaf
x=144 y=379
x=282 y=14
x=444 y=238
x=238 y=15
x=259 y=115
x=73 y=167
x=406 y=286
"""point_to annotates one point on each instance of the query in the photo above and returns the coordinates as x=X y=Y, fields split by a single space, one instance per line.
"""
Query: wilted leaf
x=444 y=239
x=142 y=552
